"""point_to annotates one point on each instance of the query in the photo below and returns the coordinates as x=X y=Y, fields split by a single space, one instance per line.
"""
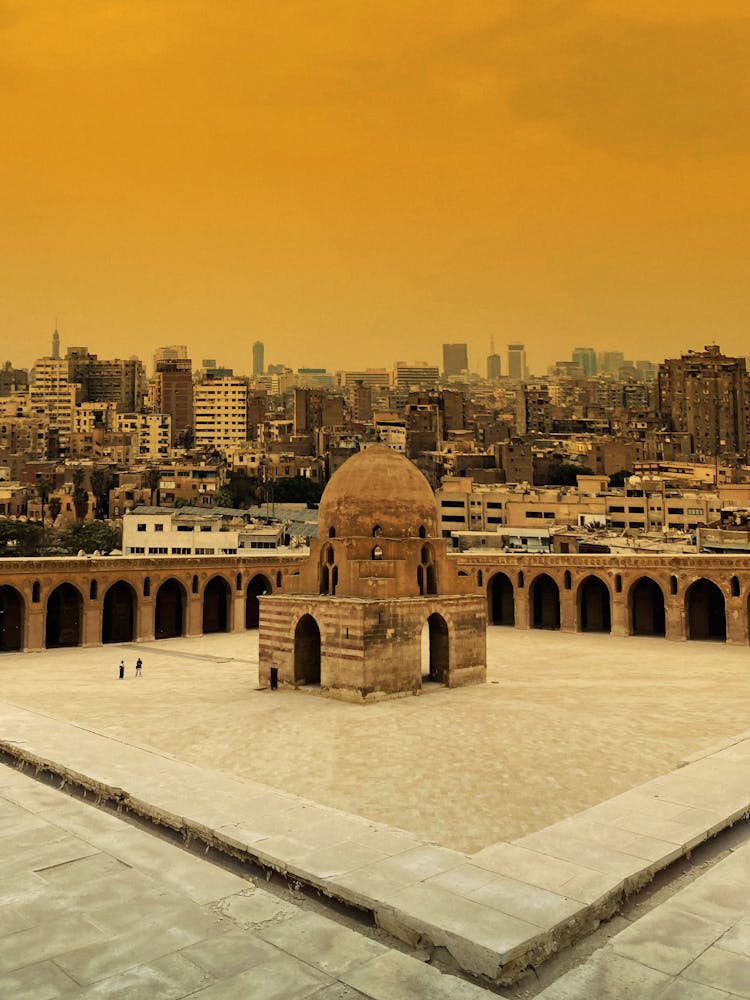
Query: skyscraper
x=455 y=359
x=494 y=366
x=586 y=358
x=258 y=358
x=516 y=361
x=55 y=346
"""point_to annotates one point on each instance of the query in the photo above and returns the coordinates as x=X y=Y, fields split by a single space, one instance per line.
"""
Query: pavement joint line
x=479 y=954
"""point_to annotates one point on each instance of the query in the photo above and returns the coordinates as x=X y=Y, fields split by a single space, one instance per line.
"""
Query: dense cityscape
x=602 y=453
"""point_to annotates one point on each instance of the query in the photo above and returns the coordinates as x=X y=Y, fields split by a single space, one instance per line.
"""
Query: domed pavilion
x=378 y=609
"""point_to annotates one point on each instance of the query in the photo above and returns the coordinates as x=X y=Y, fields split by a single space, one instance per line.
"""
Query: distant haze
x=356 y=183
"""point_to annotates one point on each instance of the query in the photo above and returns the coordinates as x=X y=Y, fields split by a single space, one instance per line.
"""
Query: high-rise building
x=107 y=381
x=494 y=367
x=421 y=375
x=54 y=391
x=258 y=358
x=517 y=361
x=172 y=352
x=455 y=359
x=220 y=408
x=612 y=361
x=707 y=395
x=55 y=345
x=586 y=358
x=173 y=392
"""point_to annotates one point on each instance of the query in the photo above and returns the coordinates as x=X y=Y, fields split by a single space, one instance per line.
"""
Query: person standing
x=122 y=669
x=138 y=665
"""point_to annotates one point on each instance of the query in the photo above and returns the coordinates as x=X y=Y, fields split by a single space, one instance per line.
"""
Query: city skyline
x=553 y=176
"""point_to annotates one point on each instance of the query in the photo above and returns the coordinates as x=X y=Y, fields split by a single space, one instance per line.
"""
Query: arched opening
x=118 y=613
x=307 y=651
x=594 y=610
x=734 y=583
x=257 y=586
x=93 y=590
x=334 y=580
x=430 y=579
x=646 y=605
x=618 y=583
x=169 y=613
x=520 y=579
x=146 y=587
x=36 y=592
x=435 y=650
x=11 y=620
x=64 y=617
x=480 y=578
x=568 y=580
x=377 y=531
x=238 y=582
x=422 y=531
x=705 y=612
x=278 y=579
x=216 y=595
x=324 y=579
x=673 y=584
x=331 y=532
x=196 y=584
x=500 y=602
x=330 y=555
x=545 y=603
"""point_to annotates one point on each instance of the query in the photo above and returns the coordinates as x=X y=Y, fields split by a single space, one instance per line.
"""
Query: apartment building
x=220 y=408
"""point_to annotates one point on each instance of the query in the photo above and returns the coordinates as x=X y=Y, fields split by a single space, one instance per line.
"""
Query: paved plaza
x=564 y=722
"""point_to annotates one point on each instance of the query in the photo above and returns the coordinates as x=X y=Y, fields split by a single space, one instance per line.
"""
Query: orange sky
x=355 y=183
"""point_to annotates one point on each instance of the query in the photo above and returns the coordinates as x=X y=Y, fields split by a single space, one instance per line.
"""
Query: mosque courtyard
x=564 y=722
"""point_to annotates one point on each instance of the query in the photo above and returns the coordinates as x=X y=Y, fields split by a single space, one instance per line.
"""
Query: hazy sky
x=356 y=182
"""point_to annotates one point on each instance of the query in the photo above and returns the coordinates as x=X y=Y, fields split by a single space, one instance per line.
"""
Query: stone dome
x=377 y=491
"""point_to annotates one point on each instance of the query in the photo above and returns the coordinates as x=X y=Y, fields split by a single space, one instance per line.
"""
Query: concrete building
x=419 y=376
x=586 y=358
x=707 y=395
x=172 y=392
x=517 y=361
x=377 y=577
x=455 y=359
x=119 y=381
x=494 y=367
x=54 y=391
x=191 y=531
x=259 y=365
x=220 y=408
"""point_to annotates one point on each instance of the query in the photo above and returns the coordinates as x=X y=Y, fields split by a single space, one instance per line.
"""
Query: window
x=454 y=518
x=184 y=527
x=140 y=526
x=635 y=510
x=451 y=503
x=178 y=550
x=616 y=509
x=137 y=550
x=158 y=527
x=157 y=550
x=676 y=510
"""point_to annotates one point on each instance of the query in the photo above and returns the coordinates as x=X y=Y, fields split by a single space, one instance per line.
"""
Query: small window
x=195 y=583
x=567 y=580
x=159 y=527
x=93 y=589
x=330 y=555
x=146 y=587
x=673 y=584
x=140 y=526
x=331 y=532
x=377 y=531
x=422 y=531
x=735 y=586
x=278 y=579
x=377 y=552
x=238 y=582
x=36 y=592
x=618 y=583
x=480 y=578
x=520 y=579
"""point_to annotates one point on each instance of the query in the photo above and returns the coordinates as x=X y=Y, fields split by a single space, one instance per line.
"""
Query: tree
x=55 y=506
x=101 y=481
x=20 y=538
x=566 y=472
x=152 y=480
x=44 y=487
x=224 y=496
x=80 y=494
x=619 y=478
x=89 y=536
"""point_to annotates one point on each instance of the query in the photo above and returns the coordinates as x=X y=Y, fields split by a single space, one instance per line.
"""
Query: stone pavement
x=695 y=946
x=92 y=907
x=496 y=912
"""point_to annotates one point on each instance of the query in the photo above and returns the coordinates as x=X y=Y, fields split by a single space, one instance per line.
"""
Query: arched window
x=520 y=578
x=36 y=592
x=377 y=531
x=480 y=578
x=238 y=582
x=567 y=580
x=93 y=589
x=618 y=583
x=377 y=552
x=331 y=532
x=330 y=555
x=146 y=587
x=195 y=583
x=278 y=579
x=735 y=586
x=673 y=584
x=422 y=531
